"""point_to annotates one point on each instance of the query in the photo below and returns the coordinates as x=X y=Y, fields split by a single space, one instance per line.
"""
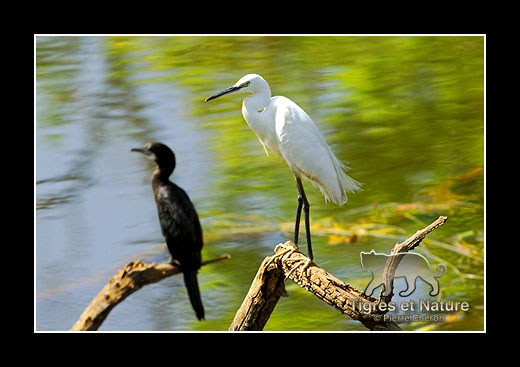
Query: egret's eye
x=245 y=84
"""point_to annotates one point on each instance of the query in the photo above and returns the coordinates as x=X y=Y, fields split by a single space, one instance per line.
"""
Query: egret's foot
x=303 y=268
x=306 y=265
x=286 y=251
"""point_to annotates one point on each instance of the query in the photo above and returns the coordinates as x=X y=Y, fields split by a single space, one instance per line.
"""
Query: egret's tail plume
x=338 y=193
x=348 y=184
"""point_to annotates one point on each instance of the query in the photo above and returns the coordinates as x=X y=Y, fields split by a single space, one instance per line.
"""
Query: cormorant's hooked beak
x=231 y=89
x=143 y=150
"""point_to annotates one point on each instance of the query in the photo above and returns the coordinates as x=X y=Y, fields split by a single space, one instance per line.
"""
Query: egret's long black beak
x=221 y=93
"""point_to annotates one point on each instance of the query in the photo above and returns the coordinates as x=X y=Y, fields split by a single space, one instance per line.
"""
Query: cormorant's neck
x=161 y=175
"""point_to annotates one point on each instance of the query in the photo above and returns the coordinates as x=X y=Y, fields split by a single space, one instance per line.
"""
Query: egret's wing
x=305 y=150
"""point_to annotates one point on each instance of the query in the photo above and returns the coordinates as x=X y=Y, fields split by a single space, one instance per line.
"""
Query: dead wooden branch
x=265 y=291
x=393 y=261
x=126 y=281
x=328 y=288
x=288 y=262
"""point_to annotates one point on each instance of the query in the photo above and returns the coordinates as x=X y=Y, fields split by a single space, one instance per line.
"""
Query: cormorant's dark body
x=179 y=221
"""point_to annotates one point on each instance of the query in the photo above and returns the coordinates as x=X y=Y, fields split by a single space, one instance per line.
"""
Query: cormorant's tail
x=192 y=285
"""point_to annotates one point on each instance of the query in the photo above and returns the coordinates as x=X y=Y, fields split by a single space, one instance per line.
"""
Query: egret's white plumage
x=286 y=129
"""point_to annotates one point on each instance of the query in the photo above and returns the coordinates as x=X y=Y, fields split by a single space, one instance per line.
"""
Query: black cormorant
x=178 y=218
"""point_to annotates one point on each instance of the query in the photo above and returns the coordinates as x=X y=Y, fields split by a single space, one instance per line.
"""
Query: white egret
x=285 y=128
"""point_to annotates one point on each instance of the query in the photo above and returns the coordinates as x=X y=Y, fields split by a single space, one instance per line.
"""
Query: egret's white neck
x=258 y=111
x=258 y=100
x=254 y=110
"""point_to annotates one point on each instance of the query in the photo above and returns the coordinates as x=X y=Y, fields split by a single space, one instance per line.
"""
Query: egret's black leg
x=298 y=216
x=302 y=201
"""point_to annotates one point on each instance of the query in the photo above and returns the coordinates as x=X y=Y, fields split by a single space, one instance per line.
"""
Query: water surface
x=406 y=114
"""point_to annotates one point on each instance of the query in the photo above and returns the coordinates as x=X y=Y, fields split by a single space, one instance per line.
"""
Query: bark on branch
x=288 y=262
x=265 y=291
x=393 y=261
x=126 y=281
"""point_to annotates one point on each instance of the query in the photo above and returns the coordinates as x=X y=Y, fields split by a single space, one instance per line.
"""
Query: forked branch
x=288 y=262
